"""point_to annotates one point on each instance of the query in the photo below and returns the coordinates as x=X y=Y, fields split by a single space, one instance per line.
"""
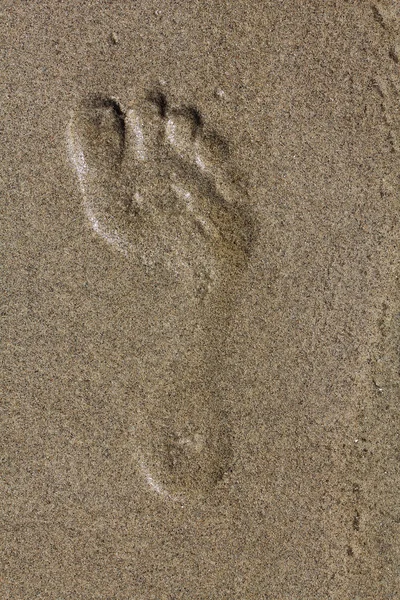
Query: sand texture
x=200 y=317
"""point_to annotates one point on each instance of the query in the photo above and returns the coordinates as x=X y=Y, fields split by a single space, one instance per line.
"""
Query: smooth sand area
x=200 y=309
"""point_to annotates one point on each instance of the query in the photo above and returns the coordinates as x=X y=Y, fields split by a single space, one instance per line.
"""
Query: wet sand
x=200 y=303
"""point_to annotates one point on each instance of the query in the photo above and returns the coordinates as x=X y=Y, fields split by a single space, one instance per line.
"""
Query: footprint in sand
x=157 y=186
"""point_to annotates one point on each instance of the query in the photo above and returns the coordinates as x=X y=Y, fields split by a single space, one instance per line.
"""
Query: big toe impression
x=97 y=137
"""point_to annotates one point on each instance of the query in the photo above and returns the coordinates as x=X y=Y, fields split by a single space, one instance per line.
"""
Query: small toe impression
x=135 y=135
x=182 y=128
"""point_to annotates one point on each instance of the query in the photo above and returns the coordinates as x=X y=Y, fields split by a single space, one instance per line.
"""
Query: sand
x=200 y=302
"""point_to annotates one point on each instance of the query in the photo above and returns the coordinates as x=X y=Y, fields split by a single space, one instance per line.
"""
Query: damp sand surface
x=200 y=301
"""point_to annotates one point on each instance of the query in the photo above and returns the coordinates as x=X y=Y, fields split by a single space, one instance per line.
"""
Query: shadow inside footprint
x=157 y=186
